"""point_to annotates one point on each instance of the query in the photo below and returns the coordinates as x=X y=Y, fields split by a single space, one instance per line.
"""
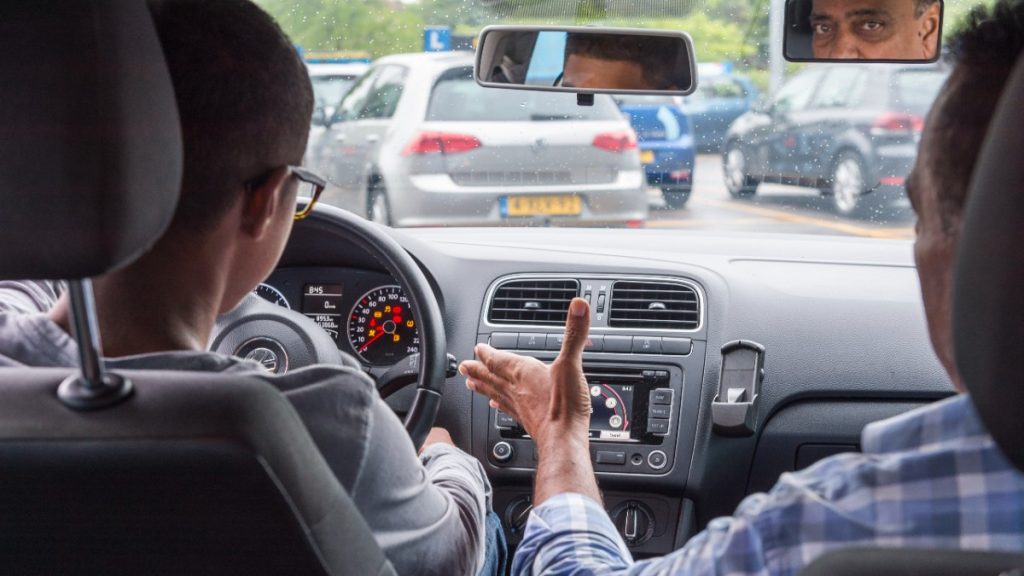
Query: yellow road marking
x=794 y=218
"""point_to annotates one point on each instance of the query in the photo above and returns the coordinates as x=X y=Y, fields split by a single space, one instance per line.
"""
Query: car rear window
x=915 y=90
x=456 y=97
x=637 y=100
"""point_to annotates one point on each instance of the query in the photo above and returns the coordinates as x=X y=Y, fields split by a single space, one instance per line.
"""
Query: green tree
x=373 y=26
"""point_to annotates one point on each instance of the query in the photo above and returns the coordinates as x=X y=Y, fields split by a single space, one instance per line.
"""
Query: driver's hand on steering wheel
x=550 y=402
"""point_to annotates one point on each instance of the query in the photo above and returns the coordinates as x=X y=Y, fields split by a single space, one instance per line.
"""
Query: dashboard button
x=657 y=459
x=504 y=421
x=554 y=341
x=594 y=344
x=658 y=411
x=657 y=425
x=662 y=396
x=532 y=341
x=504 y=340
x=646 y=345
x=618 y=343
x=676 y=346
x=601 y=302
x=502 y=452
x=661 y=377
x=604 y=457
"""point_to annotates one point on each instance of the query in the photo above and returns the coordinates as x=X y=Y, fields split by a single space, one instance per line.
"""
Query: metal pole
x=86 y=332
x=776 y=63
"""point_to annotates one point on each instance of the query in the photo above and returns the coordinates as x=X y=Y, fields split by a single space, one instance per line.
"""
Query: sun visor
x=90 y=142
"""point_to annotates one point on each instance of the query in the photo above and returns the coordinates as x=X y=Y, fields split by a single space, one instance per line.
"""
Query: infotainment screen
x=611 y=407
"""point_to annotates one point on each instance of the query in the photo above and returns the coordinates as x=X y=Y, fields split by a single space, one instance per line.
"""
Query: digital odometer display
x=381 y=328
x=322 y=303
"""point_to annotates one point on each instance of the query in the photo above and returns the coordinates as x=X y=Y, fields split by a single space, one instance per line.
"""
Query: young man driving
x=245 y=103
x=930 y=478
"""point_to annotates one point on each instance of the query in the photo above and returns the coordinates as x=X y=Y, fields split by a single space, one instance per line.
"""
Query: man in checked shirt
x=930 y=478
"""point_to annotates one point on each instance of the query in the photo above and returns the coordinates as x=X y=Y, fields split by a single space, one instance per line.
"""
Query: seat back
x=195 y=474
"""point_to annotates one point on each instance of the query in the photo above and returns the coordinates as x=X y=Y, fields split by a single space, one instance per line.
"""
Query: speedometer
x=381 y=328
x=272 y=295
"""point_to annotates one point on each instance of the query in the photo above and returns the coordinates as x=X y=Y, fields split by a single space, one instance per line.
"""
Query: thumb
x=577 y=330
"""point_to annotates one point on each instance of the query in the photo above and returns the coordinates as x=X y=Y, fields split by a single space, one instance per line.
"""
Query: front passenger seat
x=139 y=472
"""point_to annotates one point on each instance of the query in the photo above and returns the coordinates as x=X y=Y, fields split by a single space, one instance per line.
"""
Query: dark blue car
x=665 y=137
x=721 y=97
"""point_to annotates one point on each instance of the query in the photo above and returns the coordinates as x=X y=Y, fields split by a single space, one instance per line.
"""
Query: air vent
x=654 y=305
x=533 y=301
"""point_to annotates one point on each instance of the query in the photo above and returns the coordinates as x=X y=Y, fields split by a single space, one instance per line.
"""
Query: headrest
x=90 y=143
x=988 y=309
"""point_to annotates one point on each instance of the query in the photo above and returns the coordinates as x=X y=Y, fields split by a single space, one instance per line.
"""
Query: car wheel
x=379 y=207
x=675 y=198
x=850 y=194
x=737 y=180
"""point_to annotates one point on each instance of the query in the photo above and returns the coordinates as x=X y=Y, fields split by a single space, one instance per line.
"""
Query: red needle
x=371 y=341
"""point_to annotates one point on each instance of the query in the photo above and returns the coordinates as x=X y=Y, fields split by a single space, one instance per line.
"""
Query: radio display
x=322 y=303
x=611 y=411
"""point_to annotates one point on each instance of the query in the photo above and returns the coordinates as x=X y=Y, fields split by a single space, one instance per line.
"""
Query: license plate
x=563 y=205
x=647 y=157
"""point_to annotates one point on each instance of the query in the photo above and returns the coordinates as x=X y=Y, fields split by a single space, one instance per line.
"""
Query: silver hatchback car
x=417 y=142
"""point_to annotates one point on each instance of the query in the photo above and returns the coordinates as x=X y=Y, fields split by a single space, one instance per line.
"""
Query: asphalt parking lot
x=774 y=209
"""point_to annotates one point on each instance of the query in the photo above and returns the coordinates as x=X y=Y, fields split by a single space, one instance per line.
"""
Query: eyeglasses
x=313 y=184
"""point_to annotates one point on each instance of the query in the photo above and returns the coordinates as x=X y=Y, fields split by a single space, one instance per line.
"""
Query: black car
x=850 y=131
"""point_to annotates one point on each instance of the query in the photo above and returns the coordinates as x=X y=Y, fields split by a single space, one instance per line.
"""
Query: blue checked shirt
x=930 y=478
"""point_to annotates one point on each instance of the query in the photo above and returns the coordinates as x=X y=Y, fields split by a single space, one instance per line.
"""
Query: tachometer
x=381 y=328
x=272 y=295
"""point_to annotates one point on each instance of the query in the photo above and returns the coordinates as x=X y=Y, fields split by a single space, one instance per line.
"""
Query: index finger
x=498 y=361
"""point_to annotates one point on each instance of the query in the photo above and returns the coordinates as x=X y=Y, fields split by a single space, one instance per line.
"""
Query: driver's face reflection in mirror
x=620 y=62
x=875 y=29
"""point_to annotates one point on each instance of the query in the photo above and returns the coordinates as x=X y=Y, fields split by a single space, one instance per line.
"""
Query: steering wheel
x=284 y=340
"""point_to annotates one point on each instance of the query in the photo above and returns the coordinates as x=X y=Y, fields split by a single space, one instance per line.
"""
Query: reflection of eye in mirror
x=584 y=60
x=865 y=30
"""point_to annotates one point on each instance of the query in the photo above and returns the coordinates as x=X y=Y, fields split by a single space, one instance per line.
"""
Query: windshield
x=762 y=146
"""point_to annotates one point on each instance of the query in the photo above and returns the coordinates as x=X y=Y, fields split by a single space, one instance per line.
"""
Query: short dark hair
x=657 y=56
x=984 y=49
x=921 y=5
x=244 y=97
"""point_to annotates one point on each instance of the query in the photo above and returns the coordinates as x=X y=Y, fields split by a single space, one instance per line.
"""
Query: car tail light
x=615 y=141
x=441 y=143
x=892 y=123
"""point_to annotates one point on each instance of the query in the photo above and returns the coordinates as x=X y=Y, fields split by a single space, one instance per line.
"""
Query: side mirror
x=585 y=60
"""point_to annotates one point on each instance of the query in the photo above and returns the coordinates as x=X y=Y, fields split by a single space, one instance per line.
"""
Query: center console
x=631 y=431
x=643 y=366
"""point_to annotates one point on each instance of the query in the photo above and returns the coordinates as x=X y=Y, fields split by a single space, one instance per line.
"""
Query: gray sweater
x=427 y=512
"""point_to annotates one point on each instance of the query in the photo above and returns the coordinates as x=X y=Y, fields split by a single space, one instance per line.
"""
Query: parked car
x=721 y=97
x=330 y=83
x=849 y=130
x=666 y=144
x=417 y=142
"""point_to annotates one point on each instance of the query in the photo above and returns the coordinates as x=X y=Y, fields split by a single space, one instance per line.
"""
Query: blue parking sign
x=437 y=39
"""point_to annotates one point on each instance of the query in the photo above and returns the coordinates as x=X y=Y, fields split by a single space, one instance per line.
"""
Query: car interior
x=717 y=360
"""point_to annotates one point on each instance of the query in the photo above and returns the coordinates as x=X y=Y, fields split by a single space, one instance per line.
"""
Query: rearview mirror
x=864 y=30
x=586 y=60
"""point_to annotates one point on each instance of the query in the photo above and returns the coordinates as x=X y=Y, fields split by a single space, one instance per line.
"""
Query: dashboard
x=365 y=313
x=716 y=362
